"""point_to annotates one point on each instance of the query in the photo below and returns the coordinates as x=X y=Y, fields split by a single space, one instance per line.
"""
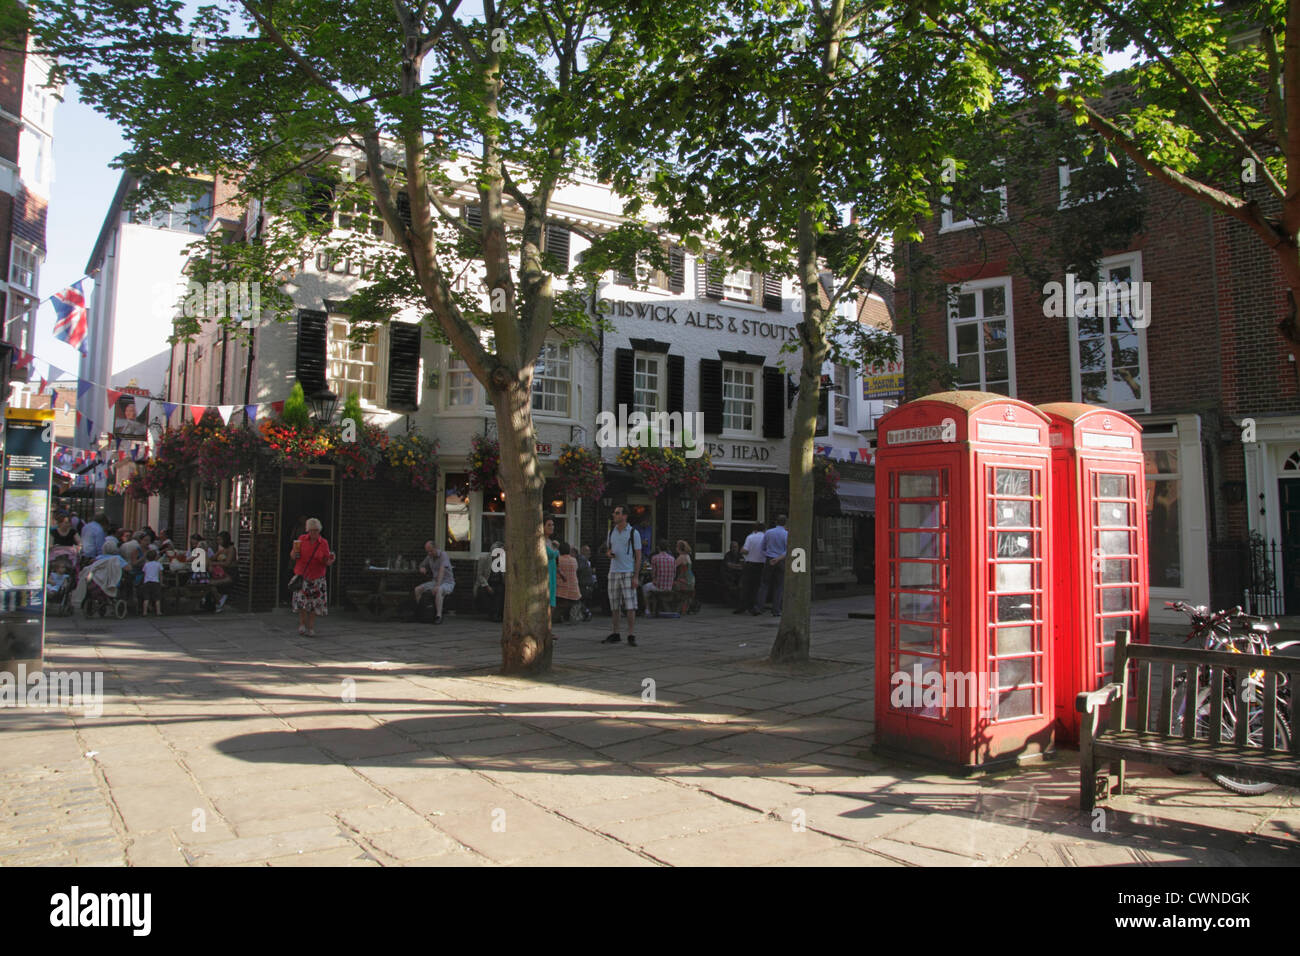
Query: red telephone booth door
x=1114 y=598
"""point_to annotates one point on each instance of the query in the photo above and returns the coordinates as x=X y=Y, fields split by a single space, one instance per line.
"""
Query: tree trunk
x=794 y=635
x=526 y=641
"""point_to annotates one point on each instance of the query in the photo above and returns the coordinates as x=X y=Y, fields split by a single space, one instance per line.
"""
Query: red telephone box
x=1100 y=526
x=964 y=666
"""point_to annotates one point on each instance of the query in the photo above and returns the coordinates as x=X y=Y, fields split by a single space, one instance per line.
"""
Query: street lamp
x=322 y=405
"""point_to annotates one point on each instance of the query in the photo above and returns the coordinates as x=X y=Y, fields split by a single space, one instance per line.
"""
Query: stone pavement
x=230 y=740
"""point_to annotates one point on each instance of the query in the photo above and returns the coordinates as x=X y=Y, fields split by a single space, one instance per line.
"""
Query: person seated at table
x=441 y=581
x=224 y=568
x=663 y=568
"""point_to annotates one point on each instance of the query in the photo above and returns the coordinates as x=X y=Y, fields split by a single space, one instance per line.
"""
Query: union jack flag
x=73 y=322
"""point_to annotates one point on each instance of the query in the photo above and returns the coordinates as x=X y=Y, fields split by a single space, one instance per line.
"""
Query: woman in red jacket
x=311 y=556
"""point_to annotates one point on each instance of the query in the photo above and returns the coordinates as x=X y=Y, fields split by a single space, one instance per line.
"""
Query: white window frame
x=1134 y=261
x=977 y=286
x=839 y=397
x=727 y=520
x=737 y=291
x=380 y=364
x=755 y=402
x=946 y=222
x=26 y=250
x=458 y=369
x=661 y=383
x=567 y=380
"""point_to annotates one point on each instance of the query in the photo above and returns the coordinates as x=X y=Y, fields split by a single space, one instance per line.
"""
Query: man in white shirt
x=623 y=545
x=442 y=582
x=752 y=575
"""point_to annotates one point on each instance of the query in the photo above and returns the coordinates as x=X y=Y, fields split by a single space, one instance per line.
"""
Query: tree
x=384 y=109
x=784 y=144
x=1210 y=105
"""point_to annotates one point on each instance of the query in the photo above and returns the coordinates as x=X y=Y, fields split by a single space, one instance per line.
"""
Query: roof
x=111 y=219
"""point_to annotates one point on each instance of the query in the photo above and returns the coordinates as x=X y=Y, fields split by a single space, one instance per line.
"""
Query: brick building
x=1204 y=359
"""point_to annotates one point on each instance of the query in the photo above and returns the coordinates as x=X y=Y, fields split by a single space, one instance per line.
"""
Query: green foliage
x=352 y=409
x=296 y=414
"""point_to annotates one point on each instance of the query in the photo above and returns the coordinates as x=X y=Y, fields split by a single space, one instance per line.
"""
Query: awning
x=856 y=498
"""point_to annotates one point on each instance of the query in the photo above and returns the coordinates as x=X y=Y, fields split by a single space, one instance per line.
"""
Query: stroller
x=62 y=578
x=102 y=587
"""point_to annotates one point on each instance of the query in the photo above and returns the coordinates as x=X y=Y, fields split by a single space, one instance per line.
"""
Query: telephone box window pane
x=1014 y=640
x=1013 y=514
x=1114 y=514
x=921 y=484
x=1112 y=486
x=1013 y=481
x=918 y=607
x=1012 y=544
x=916 y=574
x=1015 y=607
x=1015 y=577
x=917 y=638
x=1013 y=673
x=919 y=545
x=918 y=516
x=1016 y=703
x=1113 y=542
x=1116 y=572
x=1116 y=599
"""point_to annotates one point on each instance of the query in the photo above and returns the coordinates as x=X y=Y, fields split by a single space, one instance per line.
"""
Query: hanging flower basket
x=228 y=452
x=296 y=449
x=580 y=473
x=484 y=463
x=826 y=479
x=413 y=459
x=661 y=468
x=364 y=456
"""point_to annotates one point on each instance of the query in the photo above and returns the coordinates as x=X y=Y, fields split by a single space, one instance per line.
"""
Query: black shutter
x=708 y=277
x=711 y=395
x=404 y=366
x=772 y=300
x=823 y=425
x=676 y=269
x=557 y=246
x=313 y=336
x=624 y=379
x=624 y=278
x=676 y=383
x=473 y=216
x=320 y=202
x=773 y=403
x=404 y=207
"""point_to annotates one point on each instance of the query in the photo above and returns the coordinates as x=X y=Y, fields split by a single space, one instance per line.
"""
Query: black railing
x=1262 y=594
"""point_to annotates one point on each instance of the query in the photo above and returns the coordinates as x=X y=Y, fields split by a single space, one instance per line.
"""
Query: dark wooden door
x=1289 y=496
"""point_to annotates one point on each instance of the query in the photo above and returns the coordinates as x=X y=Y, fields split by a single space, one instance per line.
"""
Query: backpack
x=609 y=539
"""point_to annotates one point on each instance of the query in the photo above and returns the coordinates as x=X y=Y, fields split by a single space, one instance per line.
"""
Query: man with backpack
x=623 y=545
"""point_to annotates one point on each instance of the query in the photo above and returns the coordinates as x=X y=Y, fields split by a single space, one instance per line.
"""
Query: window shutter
x=676 y=383
x=404 y=366
x=404 y=207
x=773 y=402
x=624 y=387
x=557 y=246
x=472 y=215
x=624 y=278
x=823 y=424
x=313 y=336
x=711 y=395
x=708 y=277
x=676 y=269
x=320 y=202
x=772 y=300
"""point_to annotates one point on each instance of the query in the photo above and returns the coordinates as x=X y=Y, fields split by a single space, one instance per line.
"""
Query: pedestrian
x=552 y=559
x=92 y=539
x=623 y=546
x=483 y=594
x=64 y=539
x=752 y=575
x=442 y=581
x=312 y=557
x=733 y=569
x=684 y=578
x=567 y=592
x=225 y=567
x=586 y=580
x=151 y=590
x=774 y=545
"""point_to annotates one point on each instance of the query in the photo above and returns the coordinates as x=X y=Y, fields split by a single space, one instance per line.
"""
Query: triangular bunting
x=82 y=388
x=168 y=408
x=113 y=395
x=142 y=409
x=196 y=412
x=250 y=413
x=44 y=381
x=225 y=411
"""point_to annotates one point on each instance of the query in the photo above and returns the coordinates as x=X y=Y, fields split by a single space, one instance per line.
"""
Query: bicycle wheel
x=1255 y=738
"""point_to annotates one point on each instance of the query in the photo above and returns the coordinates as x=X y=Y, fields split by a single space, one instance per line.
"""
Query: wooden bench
x=1173 y=741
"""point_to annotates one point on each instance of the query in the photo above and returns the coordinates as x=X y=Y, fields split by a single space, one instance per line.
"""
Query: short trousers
x=447 y=587
x=622 y=591
x=152 y=591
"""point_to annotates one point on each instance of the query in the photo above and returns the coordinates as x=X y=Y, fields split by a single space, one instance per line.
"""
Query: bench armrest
x=1089 y=701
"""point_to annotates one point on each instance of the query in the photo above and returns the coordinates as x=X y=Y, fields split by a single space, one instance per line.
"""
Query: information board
x=24 y=534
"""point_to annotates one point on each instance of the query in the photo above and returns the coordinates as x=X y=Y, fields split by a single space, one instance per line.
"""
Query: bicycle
x=1215 y=631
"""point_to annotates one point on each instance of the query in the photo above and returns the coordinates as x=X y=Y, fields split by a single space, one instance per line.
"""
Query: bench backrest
x=1166 y=661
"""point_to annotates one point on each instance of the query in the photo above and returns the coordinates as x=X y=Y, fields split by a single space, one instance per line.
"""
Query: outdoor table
x=407 y=578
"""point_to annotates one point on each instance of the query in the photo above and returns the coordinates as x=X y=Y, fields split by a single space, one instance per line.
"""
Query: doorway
x=300 y=500
x=1288 y=496
x=641 y=516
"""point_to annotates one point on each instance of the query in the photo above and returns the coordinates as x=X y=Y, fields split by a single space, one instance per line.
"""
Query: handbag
x=297 y=581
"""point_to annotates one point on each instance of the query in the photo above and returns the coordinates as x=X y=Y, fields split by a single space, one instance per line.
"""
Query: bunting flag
x=113 y=395
x=142 y=409
x=225 y=411
x=277 y=407
x=196 y=412
x=168 y=408
x=78 y=418
x=853 y=454
x=250 y=413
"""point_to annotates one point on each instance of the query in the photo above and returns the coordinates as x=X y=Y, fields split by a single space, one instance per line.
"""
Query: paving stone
x=750 y=844
x=269 y=846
